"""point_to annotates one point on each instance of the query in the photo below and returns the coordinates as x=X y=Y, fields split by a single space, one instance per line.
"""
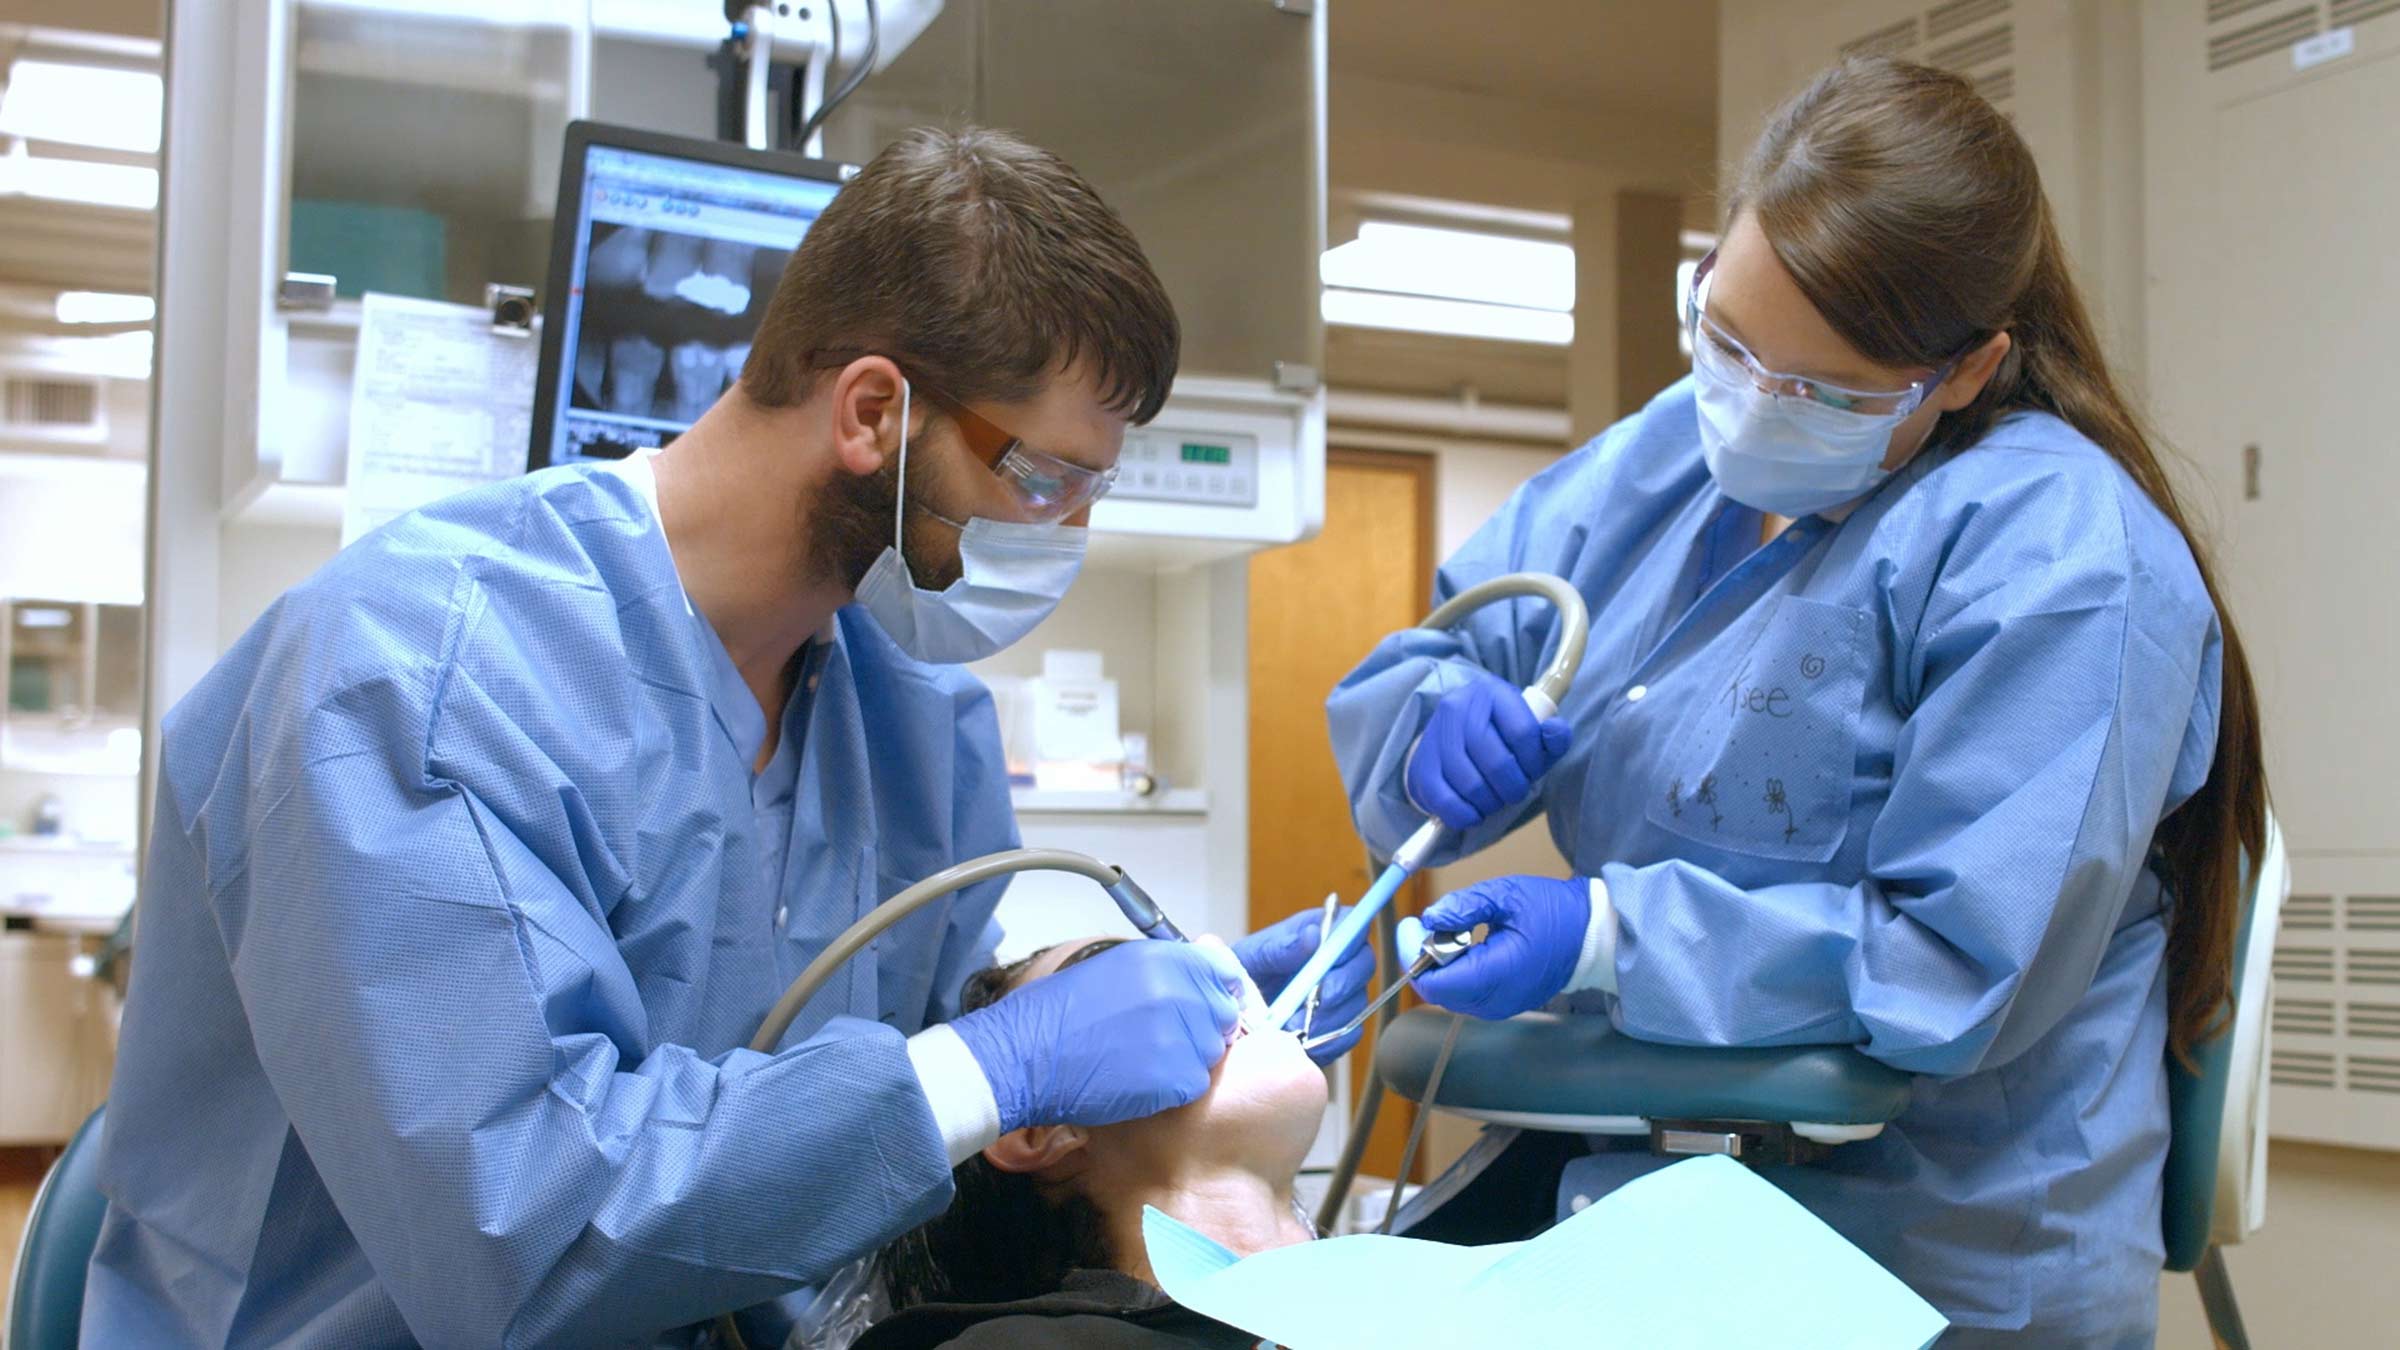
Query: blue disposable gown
x=462 y=903
x=1890 y=782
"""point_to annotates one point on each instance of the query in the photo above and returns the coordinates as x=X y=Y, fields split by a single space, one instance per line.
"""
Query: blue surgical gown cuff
x=964 y=1107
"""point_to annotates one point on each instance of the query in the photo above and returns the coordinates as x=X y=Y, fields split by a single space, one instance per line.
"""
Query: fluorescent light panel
x=104 y=106
x=104 y=307
x=74 y=180
x=1492 y=269
x=1451 y=318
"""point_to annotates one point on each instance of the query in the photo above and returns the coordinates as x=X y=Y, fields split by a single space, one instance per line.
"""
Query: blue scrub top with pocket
x=1889 y=780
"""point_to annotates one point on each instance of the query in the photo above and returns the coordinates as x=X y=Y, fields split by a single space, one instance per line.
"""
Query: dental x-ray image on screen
x=671 y=251
x=667 y=319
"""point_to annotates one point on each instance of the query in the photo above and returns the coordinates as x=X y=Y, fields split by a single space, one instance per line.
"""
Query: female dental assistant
x=1910 y=719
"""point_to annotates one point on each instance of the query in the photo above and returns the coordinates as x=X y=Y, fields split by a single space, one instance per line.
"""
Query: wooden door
x=1316 y=610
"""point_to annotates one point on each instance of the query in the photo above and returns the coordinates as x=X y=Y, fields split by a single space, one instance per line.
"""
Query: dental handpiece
x=1143 y=912
x=1152 y=922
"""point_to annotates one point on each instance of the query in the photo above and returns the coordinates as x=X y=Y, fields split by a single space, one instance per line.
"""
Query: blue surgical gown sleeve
x=2058 y=703
x=1378 y=710
x=984 y=822
x=431 y=1005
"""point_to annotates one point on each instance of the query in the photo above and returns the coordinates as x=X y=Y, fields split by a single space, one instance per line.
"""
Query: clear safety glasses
x=1717 y=355
x=1046 y=489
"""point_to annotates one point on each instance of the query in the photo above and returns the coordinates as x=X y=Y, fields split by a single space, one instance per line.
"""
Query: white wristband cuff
x=1596 y=968
x=964 y=1109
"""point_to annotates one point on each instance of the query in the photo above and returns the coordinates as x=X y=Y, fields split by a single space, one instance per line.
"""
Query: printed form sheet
x=439 y=403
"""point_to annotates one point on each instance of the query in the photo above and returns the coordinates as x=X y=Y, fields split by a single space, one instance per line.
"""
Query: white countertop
x=62 y=883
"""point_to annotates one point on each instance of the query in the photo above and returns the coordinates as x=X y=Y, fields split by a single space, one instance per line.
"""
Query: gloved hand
x=1275 y=953
x=1131 y=1032
x=1480 y=753
x=1536 y=940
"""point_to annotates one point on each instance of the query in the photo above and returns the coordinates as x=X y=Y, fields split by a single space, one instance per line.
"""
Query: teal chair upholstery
x=45 y=1305
x=1772 y=1106
x=2216 y=1158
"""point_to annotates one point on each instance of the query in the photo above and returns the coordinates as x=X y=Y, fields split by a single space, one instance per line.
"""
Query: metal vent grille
x=2375 y=913
x=1973 y=38
x=2374 y=1073
x=2308 y=912
x=2304 y=963
x=2221 y=10
x=2358 y=11
x=2264 y=38
x=2305 y=1017
x=40 y=405
x=2335 y=1035
x=2373 y=1021
x=1959 y=15
x=1892 y=39
x=2300 y=1068
x=2380 y=968
x=1996 y=44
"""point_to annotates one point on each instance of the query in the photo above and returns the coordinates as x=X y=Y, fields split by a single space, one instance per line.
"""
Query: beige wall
x=1523 y=153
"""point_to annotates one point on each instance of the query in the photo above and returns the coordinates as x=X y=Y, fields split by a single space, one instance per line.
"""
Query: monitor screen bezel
x=567 y=231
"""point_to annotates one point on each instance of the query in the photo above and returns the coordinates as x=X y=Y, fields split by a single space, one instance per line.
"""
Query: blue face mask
x=1787 y=456
x=1012 y=575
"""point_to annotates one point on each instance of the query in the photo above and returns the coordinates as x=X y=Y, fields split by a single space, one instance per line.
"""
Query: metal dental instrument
x=1440 y=950
x=1333 y=906
x=1543 y=697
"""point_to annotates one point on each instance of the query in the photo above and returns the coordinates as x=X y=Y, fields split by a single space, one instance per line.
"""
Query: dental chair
x=45 y=1301
x=1774 y=1107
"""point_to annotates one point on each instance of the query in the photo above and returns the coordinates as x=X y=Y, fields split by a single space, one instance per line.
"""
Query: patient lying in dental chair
x=1043 y=1246
x=1047 y=1243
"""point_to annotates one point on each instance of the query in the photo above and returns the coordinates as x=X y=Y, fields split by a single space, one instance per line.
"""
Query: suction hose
x=1138 y=907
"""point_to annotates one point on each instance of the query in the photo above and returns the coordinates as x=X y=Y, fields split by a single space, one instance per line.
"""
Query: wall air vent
x=2310 y=912
x=46 y=408
x=2303 y=1017
x=1890 y=40
x=2266 y=37
x=2300 y=1068
x=1960 y=15
x=2359 y=11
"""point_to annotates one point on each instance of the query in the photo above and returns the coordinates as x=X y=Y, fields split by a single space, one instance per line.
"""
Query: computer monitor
x=663 y=256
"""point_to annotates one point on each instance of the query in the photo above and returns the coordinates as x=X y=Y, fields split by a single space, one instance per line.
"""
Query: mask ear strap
x=900 y=508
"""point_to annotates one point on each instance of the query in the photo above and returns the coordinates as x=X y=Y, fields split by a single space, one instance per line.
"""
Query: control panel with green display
x=1160 y=465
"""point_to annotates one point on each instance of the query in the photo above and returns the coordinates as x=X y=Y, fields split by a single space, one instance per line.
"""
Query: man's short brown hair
x=982 y=265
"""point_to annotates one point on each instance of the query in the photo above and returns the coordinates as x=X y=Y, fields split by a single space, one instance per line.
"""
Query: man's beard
x=849 y=525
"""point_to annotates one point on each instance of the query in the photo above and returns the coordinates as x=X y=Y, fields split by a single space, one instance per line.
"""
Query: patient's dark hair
x=1002 y=1239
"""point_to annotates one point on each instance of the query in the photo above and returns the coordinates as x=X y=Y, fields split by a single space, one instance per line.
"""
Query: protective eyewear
x=1717 y=354
x=1047 y=489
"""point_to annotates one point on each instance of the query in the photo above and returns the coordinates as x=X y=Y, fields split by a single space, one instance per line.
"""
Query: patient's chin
x=1266 y=1079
